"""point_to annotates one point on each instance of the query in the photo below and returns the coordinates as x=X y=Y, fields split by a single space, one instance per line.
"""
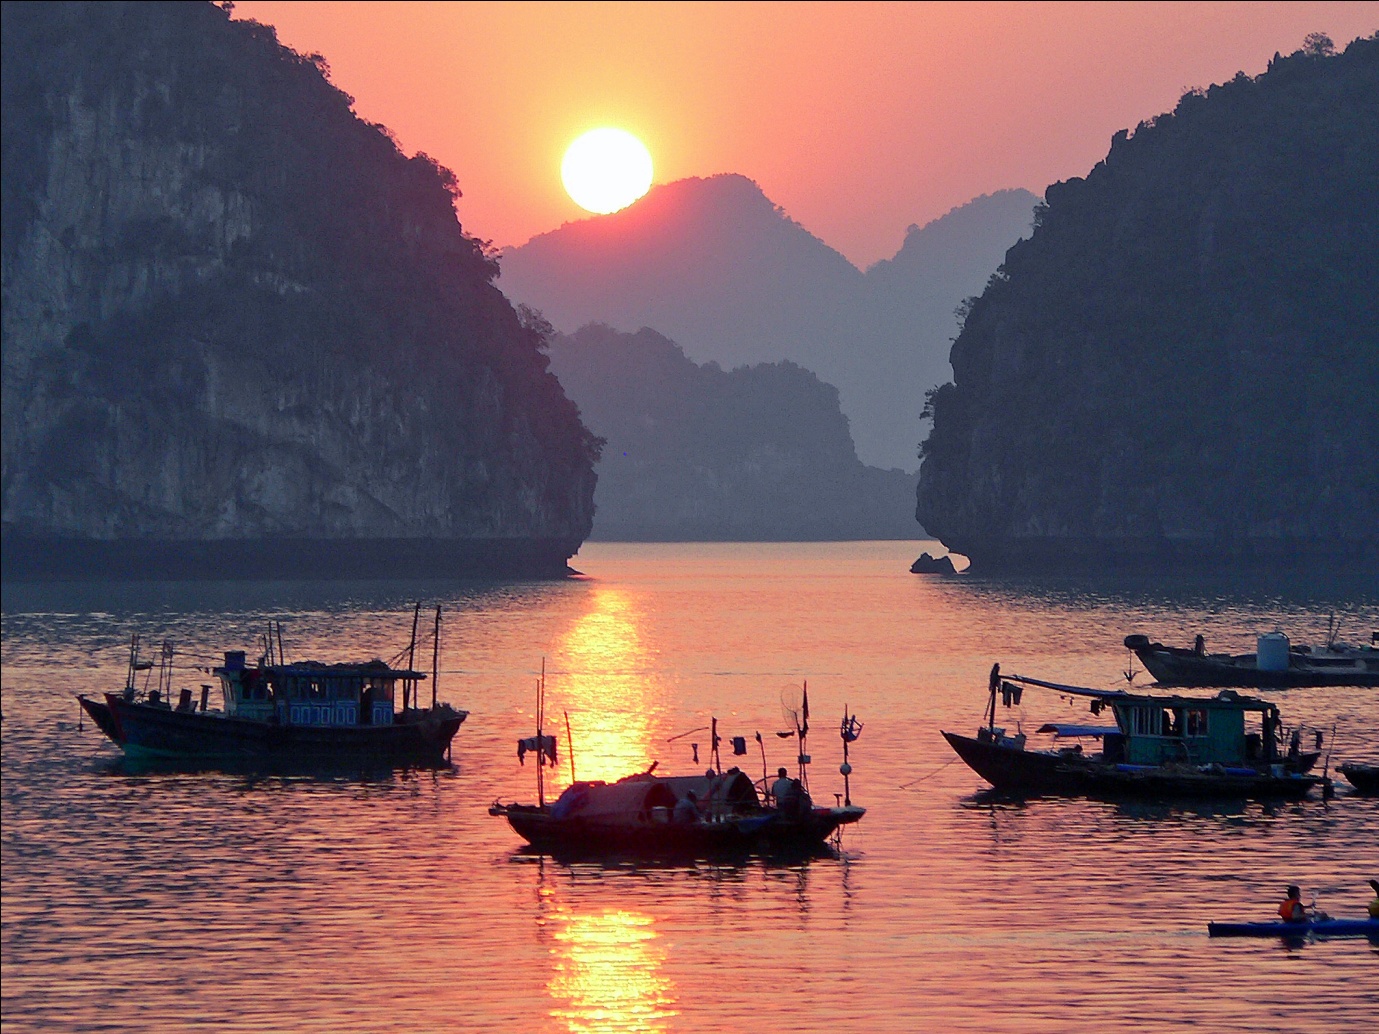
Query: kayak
x=1311 y=928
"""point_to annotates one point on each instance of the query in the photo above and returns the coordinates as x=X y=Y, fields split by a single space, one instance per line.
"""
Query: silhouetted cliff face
x=235 y=312
x=693 y=452
x=1182 y=363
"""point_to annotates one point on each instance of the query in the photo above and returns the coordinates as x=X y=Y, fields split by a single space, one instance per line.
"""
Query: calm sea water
x=152 y=901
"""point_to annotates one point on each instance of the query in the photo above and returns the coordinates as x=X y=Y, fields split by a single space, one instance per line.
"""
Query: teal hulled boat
x=1160 y=746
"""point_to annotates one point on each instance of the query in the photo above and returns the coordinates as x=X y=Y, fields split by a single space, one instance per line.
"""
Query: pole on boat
x=570 y=745
x=846 y=767
x=436 y=657
x=540 y=742
x=995 y=683
x=713 y=746
x=409 y=683
x=762 y=747
x=282 y=655
x=802 y=728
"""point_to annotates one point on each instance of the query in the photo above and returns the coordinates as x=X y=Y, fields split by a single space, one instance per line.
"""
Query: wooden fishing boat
x=301 y=713
x=1320 y=927
x=699 y=816
x=638 y=816
x=1276 y=664
x=1160 y=747
x=1365 y=778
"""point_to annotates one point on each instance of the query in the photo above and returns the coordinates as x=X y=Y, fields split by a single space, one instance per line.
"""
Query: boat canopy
x=631 y=800
x=731 y=789
x=1227 y=697
x=1063 y=730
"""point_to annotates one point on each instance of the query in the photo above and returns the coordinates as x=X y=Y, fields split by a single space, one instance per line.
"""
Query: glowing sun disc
x=605 y=170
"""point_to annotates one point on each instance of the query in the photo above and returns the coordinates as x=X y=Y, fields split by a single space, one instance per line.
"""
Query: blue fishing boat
x=1161 y=746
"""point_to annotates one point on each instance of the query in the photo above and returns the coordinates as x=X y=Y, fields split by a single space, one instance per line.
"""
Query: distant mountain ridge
x=719 y=268
x=696 y=453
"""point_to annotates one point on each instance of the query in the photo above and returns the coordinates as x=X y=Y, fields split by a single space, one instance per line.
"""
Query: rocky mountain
x=243 y=333
x=718 y=267
x=696 y=453
x=1181 y=365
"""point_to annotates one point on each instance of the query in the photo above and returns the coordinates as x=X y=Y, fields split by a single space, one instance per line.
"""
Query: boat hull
x=765 y=832
x=1173 y=666
x=1018 y=771
x=146 y=731
x=1319 y=928
x=1365 y=778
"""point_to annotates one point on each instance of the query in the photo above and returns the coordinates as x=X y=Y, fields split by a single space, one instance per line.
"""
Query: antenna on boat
x=282 y=654
x=849 y=730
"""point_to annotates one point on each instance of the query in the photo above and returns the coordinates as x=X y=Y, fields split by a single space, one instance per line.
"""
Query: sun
x=605 y=170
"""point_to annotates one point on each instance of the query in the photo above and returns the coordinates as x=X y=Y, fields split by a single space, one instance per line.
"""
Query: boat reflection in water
x=608 y=972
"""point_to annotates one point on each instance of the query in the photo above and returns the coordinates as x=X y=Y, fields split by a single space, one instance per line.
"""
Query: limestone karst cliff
x=1181 y=365
x=242 y=328
x=695 y=452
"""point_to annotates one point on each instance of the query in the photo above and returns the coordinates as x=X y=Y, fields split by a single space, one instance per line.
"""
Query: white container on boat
x=1271 y=653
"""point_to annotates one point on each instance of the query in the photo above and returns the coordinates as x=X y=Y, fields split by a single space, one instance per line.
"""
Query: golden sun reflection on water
x=607 y=973
x=602 y=677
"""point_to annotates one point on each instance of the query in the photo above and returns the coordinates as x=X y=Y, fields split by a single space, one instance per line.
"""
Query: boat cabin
x=1201 y=731
x=312 y=693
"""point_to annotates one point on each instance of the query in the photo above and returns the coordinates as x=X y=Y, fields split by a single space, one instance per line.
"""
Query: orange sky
x=858 y=119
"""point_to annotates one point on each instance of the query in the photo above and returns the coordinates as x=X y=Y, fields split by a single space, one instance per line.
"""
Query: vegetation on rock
x=233 y=309
x=1182 y=362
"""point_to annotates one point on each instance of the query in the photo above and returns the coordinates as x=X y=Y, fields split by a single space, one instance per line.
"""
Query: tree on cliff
x=1183 y=360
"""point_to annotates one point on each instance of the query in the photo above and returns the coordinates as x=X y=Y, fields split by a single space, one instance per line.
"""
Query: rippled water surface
x=166 y=900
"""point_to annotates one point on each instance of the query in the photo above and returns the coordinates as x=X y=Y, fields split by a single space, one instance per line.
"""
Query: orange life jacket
x=1292 y=911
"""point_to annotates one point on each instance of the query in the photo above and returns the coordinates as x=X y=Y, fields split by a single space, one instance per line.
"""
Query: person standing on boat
x=1293 y=910
x=783 y=790
x=687 y=809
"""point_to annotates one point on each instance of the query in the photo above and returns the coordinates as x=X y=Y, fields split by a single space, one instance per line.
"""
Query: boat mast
x=995 y=682
x=540 y=741
x=435 y=657
x=409 y=683
x=570 y=746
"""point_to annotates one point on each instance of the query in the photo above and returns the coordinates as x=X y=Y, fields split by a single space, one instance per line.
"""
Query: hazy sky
x=858 y=119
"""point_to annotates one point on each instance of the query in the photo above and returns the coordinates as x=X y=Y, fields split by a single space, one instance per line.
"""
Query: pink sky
x=858 y=119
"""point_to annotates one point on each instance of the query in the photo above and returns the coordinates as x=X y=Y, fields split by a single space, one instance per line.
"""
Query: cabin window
x=1152 y=721
x=1196 y=722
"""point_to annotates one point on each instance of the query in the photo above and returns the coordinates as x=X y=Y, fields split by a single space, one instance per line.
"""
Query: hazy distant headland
x=695 y=453
x=717 y=267
x=243 y=333
x=1181 y=365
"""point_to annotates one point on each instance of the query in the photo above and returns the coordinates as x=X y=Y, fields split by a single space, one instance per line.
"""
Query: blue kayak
x=1311 y=928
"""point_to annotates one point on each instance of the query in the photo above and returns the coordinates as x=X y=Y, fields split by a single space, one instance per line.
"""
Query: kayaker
x=1293 y=910
x=1374 y=905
